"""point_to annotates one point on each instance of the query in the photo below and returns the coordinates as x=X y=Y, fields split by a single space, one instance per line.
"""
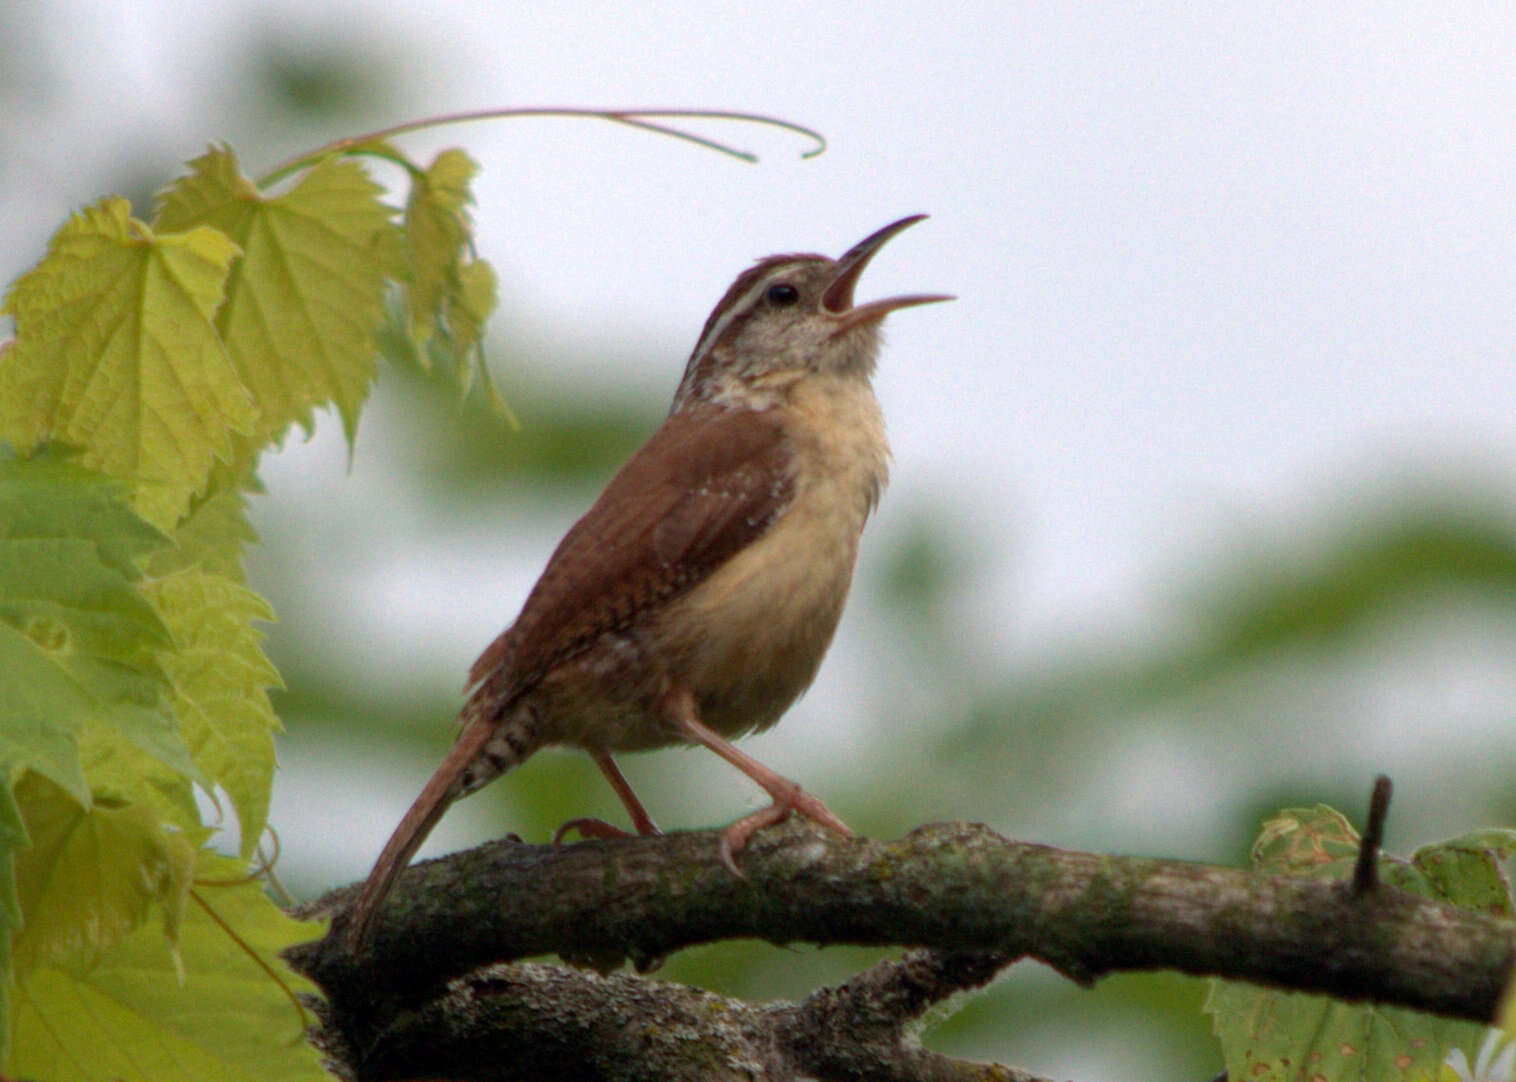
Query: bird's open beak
x=838 y=298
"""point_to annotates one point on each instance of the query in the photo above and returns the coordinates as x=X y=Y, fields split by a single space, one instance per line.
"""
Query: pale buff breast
x=751 y=637
x=771 y=610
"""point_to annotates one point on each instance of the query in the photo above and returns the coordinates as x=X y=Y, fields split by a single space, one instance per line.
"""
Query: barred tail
x=484 y=750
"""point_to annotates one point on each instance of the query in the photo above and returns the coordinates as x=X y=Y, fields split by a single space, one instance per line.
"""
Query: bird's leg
x=640 y=818
x=599 y=828
x=679 y=706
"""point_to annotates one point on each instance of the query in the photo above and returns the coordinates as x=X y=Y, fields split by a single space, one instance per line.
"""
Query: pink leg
x=599 y=828
x=788 y=796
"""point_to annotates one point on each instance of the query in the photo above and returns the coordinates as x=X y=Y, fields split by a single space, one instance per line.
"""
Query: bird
x=694 y=601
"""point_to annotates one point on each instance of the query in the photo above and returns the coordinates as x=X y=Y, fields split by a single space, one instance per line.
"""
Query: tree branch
x=532 y=1021
x=977 y=899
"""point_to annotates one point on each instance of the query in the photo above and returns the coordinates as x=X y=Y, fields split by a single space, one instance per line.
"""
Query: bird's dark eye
x=782 y=294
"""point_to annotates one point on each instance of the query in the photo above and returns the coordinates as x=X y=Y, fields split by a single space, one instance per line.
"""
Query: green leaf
x=471 y=304
x=1289 y=1037
x=1306 y=841
x=1467 y=870
x=120 y=771
x=42 y=712
x=303 y=302
x=78 y=642
x=449 y=294
x=90 y=875
x=1270 y=1036
x=12 y=839
x=211 y=1014
x=116 y=353
x=220 y=678
x=436 y=230
x=213 y=536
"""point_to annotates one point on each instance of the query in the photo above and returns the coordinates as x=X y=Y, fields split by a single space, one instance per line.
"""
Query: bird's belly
x=767 y=617
x=746 y=641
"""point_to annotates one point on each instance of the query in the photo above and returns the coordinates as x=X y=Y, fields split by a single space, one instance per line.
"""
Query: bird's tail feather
x=479 y=749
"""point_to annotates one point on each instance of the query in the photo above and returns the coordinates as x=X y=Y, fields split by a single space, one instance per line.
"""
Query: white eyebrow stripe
x=745 y=302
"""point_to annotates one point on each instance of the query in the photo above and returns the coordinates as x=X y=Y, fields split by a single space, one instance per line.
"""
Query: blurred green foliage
x=464 y=452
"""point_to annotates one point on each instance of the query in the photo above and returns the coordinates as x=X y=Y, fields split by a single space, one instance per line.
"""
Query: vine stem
x=645 y=119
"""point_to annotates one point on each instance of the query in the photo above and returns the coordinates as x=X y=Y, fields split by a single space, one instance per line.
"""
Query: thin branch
x=961 y=889
x=856 y=1030
x=646 y=119
x=1366 y=868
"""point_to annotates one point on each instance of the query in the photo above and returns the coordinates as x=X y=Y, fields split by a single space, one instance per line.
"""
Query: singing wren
x=694 y=601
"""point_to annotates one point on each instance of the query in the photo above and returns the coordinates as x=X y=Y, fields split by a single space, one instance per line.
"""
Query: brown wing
x=707 y=483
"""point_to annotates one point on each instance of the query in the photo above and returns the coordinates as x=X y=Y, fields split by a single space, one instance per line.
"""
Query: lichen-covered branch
x=977 y=900
x=515 y=1022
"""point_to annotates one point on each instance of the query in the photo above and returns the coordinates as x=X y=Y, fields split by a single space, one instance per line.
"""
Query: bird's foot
x=788 y=798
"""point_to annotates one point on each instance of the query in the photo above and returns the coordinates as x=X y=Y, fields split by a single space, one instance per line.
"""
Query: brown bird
x=694 y=601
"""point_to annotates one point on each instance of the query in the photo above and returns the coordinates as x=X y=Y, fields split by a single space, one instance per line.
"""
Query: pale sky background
x=1213 y=264
x=1218 y=267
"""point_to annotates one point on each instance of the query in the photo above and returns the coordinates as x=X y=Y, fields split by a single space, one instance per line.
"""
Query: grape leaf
x=1306 y=841
x=448 y=293
x=471 y=304
x=12 y=839
x=437 y=231
x=42 y=711
x=211 y=1014
x=116 y=353
x=1467 y=870
x=78 y=642
x=213 y=536
x=303 y=302
x=220 y=678
x=89 y=876
x=80 y=682
x=447 y=289
x=121 y=772
x=1271 y=1036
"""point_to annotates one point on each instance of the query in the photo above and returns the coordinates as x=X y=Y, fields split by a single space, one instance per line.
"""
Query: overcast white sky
x=1216 y=264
